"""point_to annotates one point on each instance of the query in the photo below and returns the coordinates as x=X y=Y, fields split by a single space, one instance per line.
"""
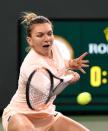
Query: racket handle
x=67 y=78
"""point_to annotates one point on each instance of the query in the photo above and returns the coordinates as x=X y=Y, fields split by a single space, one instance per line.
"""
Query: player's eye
x=50 y=33
x=39 y=35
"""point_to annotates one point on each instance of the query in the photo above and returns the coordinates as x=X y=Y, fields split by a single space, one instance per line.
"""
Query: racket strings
x=37 y=97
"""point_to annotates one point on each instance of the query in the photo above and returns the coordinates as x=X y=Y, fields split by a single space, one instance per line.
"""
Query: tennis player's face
x=41 y=38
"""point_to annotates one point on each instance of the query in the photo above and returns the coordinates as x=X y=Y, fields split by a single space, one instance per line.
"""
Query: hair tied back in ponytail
x=28 y=17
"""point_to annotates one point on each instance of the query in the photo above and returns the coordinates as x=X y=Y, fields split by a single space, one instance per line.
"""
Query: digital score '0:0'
x=95 y=76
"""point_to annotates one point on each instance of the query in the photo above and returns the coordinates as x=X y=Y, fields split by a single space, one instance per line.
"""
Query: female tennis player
x=44 y=74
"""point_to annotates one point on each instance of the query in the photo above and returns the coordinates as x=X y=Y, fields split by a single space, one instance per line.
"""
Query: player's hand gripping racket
x=42 y=87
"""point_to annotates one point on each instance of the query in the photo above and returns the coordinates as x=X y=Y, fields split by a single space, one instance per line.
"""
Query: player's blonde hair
x=30 y=18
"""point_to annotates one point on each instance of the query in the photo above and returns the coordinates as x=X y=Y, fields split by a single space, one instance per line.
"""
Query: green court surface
x=94 y=123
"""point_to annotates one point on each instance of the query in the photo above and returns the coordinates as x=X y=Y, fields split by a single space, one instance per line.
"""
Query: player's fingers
x=84 y=65
x=82 y=70
x=83 y=55
x=85 y=61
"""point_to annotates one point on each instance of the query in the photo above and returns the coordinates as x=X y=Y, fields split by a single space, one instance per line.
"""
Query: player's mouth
x=46 y=46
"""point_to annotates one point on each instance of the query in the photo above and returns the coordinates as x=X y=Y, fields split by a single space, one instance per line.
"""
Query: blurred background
x=82 y=26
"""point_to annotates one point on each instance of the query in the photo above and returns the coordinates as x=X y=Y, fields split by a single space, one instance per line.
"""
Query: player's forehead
x=42 y=28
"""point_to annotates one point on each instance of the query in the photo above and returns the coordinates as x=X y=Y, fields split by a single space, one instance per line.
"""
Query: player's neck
x=48 y=55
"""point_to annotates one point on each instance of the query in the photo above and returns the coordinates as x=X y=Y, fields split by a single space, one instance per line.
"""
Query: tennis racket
x=45 y=88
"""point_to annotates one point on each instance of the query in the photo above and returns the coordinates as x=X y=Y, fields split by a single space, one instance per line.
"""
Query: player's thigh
x=20 y=122
x=66 y=124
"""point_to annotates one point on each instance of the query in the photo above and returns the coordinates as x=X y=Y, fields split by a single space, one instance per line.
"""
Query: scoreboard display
x=81 y=36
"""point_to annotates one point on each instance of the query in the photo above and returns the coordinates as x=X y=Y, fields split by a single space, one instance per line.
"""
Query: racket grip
x=67 y=78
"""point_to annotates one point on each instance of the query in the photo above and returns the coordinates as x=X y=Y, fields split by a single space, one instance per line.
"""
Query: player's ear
x=29 y=41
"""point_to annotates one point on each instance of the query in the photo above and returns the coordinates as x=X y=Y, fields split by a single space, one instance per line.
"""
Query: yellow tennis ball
x=84 y=98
